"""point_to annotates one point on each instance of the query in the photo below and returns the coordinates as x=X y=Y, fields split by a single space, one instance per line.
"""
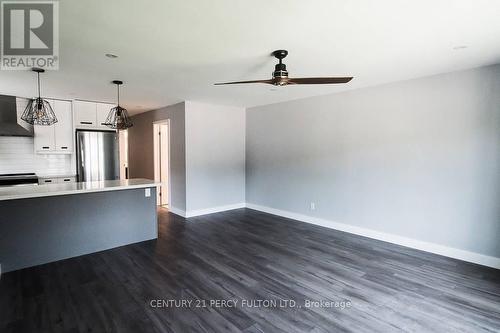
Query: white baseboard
x=177 y=211
x=212 y=210
x=446 y=251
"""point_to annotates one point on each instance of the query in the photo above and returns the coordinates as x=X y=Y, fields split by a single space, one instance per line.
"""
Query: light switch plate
x=147 y=192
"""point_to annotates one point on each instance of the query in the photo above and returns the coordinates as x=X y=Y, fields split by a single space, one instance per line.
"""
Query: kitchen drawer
x=66 y=180
x=42 y=181
x=57 y=180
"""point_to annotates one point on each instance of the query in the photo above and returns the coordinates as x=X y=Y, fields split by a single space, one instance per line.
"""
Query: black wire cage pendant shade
x=118 y=117
x=38 y=111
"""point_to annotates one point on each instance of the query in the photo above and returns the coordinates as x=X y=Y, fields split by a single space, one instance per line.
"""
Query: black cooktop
x=18 y=179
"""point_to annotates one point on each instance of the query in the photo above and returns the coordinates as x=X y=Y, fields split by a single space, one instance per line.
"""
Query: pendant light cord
x=39 y=95
x=118 y=87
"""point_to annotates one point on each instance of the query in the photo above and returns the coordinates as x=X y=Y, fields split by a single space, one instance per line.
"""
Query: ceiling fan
x=280 y=75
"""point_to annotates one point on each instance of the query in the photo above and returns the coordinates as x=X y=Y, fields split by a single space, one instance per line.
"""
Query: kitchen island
x=45 y=223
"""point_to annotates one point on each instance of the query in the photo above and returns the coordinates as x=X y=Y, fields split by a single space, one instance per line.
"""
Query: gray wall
x=207 y=153
x=41 y=230
x=141 y=149
x=215 y=155
x=419 y=159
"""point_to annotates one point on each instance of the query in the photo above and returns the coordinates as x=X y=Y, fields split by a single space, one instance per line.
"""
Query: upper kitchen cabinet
x=84 y=114
x=44 y=136
x=102 y=114
x=57 y=138
x=64 y=126
x=91 y=115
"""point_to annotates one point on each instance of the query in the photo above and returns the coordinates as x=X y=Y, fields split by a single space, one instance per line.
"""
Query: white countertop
x=47 y=190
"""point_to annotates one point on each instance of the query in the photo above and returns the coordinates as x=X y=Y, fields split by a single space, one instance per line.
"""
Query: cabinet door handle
x=86 y=122
x=48 y=181
x=103 y=124
x=64 y=147
x=67 y=180
x=45 y=147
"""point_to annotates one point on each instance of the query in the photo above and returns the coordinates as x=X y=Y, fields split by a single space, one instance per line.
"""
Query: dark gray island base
x=39 y=230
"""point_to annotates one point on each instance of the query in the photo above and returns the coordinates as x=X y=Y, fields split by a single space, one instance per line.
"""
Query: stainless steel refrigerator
x=97 y=156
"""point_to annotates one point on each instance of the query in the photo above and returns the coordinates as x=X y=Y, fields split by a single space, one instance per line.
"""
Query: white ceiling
x=171 y=51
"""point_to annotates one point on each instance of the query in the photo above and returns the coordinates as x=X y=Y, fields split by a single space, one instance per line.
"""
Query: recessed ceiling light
x=460 y=47
x=112 y=56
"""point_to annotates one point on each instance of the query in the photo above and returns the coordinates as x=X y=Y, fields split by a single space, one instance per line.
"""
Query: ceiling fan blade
x=242 y=82
x=318 y=80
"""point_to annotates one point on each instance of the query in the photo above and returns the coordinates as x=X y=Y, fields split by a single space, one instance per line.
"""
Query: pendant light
x=38 y=111
x=118 y=117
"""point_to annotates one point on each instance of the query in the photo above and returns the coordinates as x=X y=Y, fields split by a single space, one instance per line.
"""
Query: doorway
x=123 y=142
x=161 y=134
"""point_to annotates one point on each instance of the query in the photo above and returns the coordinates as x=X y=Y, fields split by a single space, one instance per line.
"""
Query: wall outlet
x=147 y=192
x=313 y=206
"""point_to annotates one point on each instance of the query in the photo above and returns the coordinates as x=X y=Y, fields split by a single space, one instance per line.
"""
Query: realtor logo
x=30 y=35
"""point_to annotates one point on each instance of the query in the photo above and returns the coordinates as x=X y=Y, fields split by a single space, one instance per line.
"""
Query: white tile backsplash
x=17 y=155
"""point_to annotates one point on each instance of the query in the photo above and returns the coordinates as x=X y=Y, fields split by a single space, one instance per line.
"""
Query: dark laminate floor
x=247 y=255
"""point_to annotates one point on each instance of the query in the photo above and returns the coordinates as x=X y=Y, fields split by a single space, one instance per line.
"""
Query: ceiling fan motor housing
x=280 y=75
x=280 y=71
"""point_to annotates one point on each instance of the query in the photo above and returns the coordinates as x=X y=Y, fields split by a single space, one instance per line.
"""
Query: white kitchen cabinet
x=85 y=114
x=91 y=115
x=44 y=139
x=64 y=126
x=102 y=114
x=58 y=137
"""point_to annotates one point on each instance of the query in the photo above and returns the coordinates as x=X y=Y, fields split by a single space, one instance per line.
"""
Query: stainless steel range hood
x=8 y=118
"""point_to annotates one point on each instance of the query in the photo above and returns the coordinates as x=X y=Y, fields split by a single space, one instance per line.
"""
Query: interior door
x=161 y=160
x=123 y=143
x=164 y=164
